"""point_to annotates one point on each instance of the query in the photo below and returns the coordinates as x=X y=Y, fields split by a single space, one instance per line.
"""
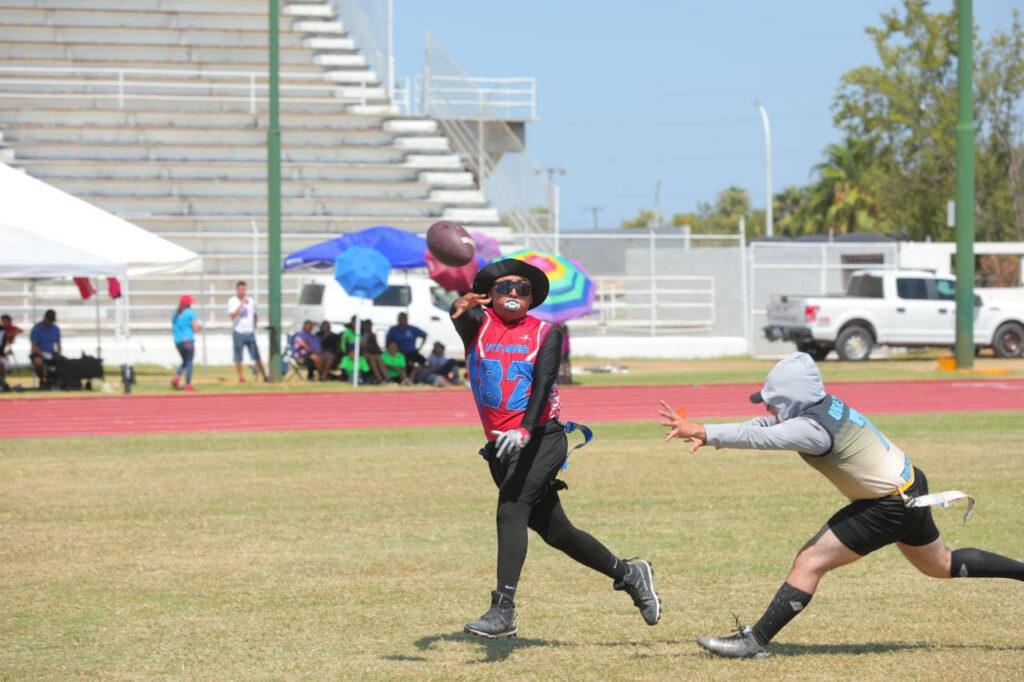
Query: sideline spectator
x=7 y=333
x=436 y=361
x=242 y=310
x=330 y=343
x=348 y=362
x=370 y=349
x=394 y=363
x=185 y=327
x=45 y=337
x=565 y=368
x=309 y=349
x=410 y=339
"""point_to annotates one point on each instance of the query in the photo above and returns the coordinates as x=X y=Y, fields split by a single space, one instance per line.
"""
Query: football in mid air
x=450 y=243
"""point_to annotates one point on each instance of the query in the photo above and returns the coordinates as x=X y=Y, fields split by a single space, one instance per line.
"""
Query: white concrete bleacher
x=155 y=110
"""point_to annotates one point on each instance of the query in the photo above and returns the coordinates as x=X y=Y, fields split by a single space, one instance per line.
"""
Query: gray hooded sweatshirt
x=856 y=457
x=790 y=387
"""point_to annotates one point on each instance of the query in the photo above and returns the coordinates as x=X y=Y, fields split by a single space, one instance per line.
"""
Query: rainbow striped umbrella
x=572 y=290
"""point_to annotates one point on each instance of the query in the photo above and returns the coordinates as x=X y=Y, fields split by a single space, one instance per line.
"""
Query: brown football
x=450 y=243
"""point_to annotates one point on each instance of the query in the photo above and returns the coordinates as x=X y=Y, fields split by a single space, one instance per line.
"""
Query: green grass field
x=360 y=555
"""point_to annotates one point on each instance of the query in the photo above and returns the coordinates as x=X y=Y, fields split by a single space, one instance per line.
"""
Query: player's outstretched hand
x=509 y=441
x=680 y=427
x=468 y=301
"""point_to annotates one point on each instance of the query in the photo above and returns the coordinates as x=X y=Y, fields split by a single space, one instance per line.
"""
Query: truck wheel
x=816 y=352
x=1009 y=340
x=854 y=344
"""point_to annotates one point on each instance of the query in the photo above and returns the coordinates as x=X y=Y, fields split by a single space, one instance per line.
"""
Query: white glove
x=509 y=441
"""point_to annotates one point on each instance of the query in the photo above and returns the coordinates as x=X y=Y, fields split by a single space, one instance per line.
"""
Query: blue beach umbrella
x=362 y=272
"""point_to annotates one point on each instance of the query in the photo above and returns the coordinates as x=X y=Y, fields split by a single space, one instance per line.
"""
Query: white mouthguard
x=512 y=305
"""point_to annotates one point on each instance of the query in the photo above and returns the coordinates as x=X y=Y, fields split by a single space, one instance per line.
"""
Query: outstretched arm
x=762 y=433
x=467 y=316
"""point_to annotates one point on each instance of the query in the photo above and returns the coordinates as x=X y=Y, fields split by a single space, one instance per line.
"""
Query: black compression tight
x=548 y=519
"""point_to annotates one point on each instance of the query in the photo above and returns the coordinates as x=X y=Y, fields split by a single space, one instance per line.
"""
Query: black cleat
x=743 y=644
x=639 y=584
x=499 y=621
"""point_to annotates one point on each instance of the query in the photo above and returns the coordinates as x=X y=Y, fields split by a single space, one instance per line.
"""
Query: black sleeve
x=468 y=324
x=545 y=373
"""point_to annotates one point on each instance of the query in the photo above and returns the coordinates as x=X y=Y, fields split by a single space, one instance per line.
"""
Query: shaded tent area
x=48 y=234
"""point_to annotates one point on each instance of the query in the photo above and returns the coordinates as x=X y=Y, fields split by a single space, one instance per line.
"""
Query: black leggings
x=528 y=498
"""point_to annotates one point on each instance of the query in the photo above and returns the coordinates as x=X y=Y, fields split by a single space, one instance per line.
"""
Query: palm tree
x=843 y=195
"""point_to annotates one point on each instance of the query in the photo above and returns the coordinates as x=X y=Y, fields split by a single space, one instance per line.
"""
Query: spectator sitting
x=424 y=374
x=370 y=349
x=7 y=333
x=307 y=347
x=45 y=337
x=348 y=336
x=436 y=361
x=394 y=363
x=410 y=339
x=348 y=362
x=330 y=343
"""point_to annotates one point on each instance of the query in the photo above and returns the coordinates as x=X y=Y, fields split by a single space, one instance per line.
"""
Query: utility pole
x=769 y=223
x=595 y=210
x=274 y=204
x=964 y=187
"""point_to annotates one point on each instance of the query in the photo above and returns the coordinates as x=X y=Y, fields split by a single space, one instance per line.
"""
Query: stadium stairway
x=158 y=113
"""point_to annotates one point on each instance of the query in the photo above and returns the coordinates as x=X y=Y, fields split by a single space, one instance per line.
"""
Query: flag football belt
x=588 y=435
x=946 y=498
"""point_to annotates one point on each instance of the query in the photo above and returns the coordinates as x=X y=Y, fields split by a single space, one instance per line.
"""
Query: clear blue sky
x=633 y=93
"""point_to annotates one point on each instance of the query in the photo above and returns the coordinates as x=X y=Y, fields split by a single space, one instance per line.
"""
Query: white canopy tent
x=24 y=255
x=74 y=238
x=45 y=211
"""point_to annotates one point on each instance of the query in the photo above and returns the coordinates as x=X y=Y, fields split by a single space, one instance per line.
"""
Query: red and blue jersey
x=500 y=362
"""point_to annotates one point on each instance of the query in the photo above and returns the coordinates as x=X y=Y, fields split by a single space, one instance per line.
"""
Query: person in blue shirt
x=45 y=338
x=409 y=339
x=185 y=327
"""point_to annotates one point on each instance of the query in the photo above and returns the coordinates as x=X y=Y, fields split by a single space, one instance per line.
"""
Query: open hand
x=680 y=427
x=468 y=301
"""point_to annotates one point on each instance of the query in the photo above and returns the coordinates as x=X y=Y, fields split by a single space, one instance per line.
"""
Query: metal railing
x=674 y=302
x=175 y=84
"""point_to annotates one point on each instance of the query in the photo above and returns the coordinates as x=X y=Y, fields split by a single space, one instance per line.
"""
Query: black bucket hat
x=513 y=266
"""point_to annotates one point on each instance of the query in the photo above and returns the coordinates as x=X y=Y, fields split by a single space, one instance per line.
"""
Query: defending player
x=513 y=359
x=867 y=467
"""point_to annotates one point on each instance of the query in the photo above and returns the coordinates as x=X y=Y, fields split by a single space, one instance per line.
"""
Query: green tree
x=904 y=111
x=645 y=219
x=846 y=191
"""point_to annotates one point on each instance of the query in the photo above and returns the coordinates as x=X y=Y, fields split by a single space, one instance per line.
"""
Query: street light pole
x=553 y=225
x=769 y=223
x=274 y=203
x=964 y=187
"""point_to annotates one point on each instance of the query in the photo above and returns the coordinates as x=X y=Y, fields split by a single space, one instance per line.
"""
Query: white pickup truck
x=894 y=308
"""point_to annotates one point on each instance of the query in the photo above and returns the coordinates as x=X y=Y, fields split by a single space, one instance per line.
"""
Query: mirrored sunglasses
x=506 y=287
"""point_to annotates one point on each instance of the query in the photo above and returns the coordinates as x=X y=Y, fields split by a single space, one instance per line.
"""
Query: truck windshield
x=311 y=294
x=442 y=299
x=396 y=296
x=865 y=286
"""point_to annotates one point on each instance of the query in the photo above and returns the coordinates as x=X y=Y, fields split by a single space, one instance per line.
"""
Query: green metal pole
x=965 y=187
x=274 y=205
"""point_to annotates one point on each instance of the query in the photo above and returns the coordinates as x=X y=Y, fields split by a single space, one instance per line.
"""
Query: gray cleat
x=639 y=584
x=743 y=644
x=499 y=621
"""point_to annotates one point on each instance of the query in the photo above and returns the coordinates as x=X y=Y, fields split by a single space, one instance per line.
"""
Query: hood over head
x=791 y=386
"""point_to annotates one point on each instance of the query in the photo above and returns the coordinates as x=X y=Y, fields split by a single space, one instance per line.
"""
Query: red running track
x=372 y=408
